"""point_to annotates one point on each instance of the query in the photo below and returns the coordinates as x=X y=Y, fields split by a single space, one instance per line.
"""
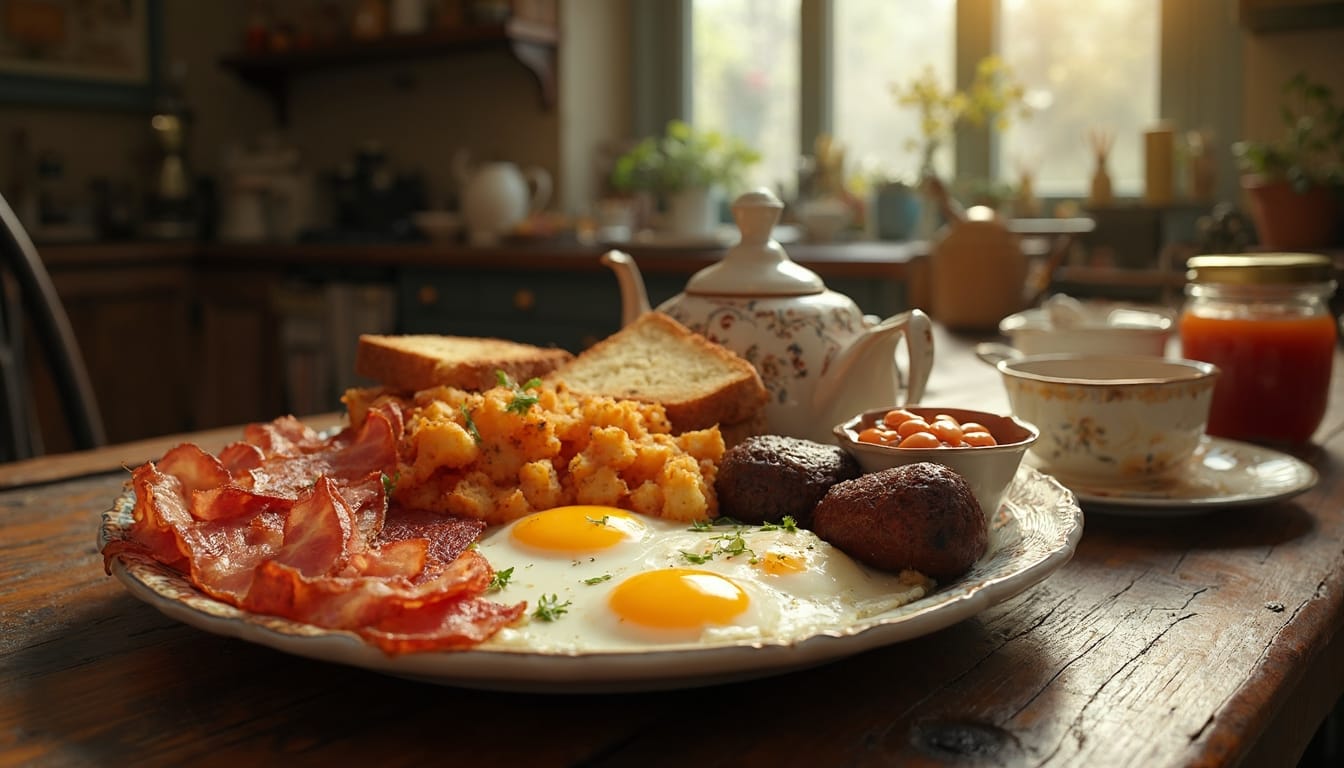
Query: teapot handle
x=866 y=373
x=541 y=188
x=634 y=298
x=919 y=343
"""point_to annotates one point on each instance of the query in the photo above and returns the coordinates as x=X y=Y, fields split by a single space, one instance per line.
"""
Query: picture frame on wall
x=79 y=53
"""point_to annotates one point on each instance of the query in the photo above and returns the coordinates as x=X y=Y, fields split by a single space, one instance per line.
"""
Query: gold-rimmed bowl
x=987 y=469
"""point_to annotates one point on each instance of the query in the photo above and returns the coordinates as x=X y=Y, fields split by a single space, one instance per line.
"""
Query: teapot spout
x=634 y=298
x=866 y=376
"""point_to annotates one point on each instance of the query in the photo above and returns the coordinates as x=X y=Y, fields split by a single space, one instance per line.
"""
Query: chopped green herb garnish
x=550 y=608
x=596 y=521
x=597 y=579
x=390 y=483
x=733 y=545
x=787 y=523
x=726 y=544
x=500 y=580
x=701 y=525
x=469 y=423
x=521 y=401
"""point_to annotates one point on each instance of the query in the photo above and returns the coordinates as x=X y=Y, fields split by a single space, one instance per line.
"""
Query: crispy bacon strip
x=289 y=524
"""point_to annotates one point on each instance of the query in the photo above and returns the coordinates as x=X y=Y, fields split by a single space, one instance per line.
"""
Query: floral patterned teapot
x=821 y=360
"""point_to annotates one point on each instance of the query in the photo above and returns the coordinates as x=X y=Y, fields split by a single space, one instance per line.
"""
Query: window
x=744 y=78
x=1083 y=77
x=751 y=63
x=876 y=47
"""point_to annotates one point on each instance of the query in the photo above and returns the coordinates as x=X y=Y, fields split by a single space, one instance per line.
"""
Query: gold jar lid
x=1260 y=268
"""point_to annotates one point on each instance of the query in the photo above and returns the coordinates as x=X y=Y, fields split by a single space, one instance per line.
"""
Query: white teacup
x=1111 y=419
x=1089 y=328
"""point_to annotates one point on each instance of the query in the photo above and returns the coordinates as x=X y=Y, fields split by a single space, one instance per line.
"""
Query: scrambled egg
x=506 y=452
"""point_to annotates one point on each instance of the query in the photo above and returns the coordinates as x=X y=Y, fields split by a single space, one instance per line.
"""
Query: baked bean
x=902 y=428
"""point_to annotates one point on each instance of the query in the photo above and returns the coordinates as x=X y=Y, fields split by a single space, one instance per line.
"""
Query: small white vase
x=692 y=212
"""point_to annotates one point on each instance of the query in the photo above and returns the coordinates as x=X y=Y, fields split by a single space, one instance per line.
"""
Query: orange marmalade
x=1263 y=319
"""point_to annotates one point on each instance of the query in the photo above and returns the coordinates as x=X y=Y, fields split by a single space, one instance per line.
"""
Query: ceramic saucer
x=1222 y=473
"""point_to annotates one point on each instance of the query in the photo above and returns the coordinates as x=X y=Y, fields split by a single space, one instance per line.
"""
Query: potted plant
x=1295 y=183
x=689 y=170
x=992 y=99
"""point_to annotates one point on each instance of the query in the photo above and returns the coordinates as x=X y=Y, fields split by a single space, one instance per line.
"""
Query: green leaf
x=469 y=423
x=500 y=579
x=549 y=608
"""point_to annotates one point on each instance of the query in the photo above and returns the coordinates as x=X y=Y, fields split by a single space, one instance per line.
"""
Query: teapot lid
x=757 y=265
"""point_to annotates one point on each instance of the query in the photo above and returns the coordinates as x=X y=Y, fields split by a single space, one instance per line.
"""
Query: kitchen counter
x=899 y=260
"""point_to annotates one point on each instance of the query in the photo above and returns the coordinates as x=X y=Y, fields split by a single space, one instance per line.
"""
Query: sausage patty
x=766 y=477
x=921 y=516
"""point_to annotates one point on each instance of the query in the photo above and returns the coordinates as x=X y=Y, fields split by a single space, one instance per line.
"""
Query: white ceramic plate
x=1035 y=532
x=1222 y=473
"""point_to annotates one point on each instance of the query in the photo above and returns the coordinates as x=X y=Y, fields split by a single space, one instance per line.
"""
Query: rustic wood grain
x=1207 y=640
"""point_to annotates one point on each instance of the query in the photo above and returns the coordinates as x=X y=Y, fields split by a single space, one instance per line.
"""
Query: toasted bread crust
x=410 y=363
x=657 y=359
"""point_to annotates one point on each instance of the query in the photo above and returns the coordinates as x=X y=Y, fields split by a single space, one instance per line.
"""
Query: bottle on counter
x=1265 y=321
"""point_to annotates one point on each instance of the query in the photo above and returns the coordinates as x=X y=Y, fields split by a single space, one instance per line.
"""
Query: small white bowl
x=1089 y=328
x=988 y=469
x=438 y=226
x=1111 y=419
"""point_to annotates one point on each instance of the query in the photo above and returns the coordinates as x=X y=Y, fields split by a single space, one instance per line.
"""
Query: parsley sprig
x=500 y=579
x=727 y=544
x=522 y=400
x=469 y=423
x=732 y=544
x=549 y=608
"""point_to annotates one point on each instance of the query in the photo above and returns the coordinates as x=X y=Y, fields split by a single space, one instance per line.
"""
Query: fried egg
x=603 y=579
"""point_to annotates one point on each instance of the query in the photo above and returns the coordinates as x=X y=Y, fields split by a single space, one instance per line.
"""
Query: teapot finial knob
x=756 y=213
x=757 y=265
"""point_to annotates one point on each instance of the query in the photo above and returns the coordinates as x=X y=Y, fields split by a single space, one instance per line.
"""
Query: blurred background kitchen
x=226 y=194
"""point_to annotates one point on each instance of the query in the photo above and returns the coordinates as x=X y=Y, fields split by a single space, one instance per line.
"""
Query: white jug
x=498 y=196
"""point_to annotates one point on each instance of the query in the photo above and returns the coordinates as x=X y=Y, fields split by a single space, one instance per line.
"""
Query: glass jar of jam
x=1265 y=321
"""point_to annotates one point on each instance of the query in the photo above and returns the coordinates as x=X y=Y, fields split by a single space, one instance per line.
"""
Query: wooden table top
x=1201 y=640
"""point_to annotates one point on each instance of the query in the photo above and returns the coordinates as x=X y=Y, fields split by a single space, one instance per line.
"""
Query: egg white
x=813 y=587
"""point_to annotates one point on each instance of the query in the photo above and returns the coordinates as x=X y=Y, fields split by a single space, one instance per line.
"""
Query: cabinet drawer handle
x=524 y=299
x=427 y=295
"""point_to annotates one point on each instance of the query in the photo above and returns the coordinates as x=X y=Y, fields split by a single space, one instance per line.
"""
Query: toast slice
x=657 y=359
x=412 y=362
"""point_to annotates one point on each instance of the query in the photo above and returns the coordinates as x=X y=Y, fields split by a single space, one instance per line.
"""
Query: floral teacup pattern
x=1116 y=433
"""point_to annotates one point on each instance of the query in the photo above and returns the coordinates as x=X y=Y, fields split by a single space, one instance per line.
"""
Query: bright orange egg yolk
x=678 y=598
x=578 y=528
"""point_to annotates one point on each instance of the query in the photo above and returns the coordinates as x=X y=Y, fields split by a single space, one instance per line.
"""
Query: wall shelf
x=1272 y=16
x=533 y=44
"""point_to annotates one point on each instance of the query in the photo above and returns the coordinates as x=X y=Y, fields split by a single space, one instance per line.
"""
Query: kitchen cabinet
x=132 y=317
x=239 y=365
x=531 y=42
x=183 y=336
x=570 y=311
x=567 y=310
